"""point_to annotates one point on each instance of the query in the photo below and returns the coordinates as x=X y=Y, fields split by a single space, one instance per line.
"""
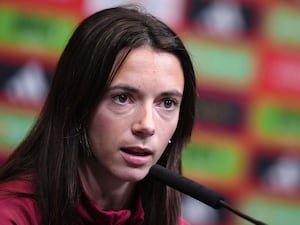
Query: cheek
x=98 y=124
x=167 y=130
x=103 y=119
x=172 y=125
x=99 y=129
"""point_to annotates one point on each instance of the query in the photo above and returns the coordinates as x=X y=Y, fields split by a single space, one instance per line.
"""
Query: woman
x=122 y=99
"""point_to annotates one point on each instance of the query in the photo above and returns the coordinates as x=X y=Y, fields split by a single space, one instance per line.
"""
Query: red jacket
x=24 y=211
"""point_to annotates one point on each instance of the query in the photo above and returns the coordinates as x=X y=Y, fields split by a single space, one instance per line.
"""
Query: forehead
x=146 y=65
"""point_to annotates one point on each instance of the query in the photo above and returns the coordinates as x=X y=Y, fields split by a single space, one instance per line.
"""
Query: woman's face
x=138 y=115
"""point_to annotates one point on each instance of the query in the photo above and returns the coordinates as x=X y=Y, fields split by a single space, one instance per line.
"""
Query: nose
x=143 y=125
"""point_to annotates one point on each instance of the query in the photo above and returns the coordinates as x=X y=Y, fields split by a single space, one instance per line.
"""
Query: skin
x=132 y=125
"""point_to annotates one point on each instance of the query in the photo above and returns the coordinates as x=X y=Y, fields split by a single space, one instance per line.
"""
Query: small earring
x=170 y=141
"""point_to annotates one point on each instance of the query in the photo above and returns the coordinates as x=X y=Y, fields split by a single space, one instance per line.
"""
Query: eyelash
x=123 y=98
x=173 y=101
x=116 y=98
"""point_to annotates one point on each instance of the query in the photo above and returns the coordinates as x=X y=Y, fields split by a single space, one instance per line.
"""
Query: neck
x=109 y=192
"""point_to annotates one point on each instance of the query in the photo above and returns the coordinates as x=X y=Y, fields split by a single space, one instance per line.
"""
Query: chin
x=135 y=174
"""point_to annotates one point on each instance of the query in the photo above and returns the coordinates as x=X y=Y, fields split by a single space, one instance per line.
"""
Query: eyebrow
x=135 y=90
x=124 y=87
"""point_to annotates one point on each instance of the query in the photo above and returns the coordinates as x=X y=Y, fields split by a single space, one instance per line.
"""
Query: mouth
x=137 y=151
x=136 y=156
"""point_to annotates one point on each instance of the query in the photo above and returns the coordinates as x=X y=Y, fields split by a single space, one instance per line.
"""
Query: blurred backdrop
x=246 y=140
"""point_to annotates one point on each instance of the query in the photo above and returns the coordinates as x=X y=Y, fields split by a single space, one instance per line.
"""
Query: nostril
x=151 y=132
x=144 y=132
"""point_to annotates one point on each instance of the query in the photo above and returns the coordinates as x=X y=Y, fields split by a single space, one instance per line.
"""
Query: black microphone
x=195 y=190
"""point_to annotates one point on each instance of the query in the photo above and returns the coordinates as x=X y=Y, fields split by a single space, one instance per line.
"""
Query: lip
x=136 y=156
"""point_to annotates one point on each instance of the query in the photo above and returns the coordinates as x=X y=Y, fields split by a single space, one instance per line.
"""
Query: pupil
x=123 y=98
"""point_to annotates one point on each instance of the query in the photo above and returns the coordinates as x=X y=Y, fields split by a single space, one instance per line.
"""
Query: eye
x=169 y=103
x=121 y=98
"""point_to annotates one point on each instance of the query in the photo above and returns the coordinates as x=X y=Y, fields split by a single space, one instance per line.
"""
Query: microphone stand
x=240 y=214
x=196 y=191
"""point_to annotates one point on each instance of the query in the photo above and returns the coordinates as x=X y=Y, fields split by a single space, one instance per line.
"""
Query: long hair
x=53 y=149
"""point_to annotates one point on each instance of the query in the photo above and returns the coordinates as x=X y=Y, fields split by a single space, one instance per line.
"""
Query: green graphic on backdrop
x=273 y=212
x=275 y=120
x=222 y=62
x=282 y=25
x=14 y=127
x=218 y=160
x=24 y=29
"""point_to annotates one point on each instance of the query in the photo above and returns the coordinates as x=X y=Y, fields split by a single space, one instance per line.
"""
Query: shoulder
x=23 y=185
x=182 y=222
x=16 y=205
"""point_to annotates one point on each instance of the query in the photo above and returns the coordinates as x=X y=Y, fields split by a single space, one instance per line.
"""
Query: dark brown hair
x=53 y=149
